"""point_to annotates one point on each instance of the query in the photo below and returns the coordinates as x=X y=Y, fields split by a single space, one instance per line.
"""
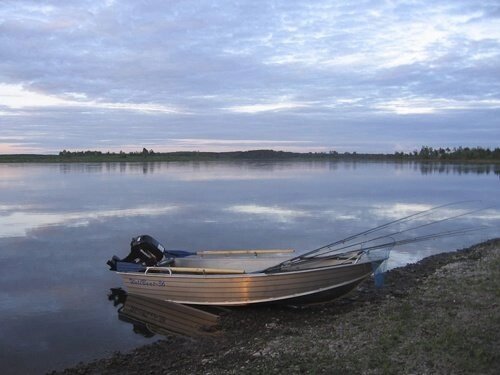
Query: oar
x=184 y=253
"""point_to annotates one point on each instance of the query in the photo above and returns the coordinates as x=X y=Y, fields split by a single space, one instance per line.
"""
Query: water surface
x=59 y=223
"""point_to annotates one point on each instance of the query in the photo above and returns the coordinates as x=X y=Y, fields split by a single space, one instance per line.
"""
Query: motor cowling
x=144 y=250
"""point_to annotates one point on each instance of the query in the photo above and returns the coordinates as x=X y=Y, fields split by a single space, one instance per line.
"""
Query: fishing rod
x=427 y=237
x=385 y=245
x=392 y=234
x=383 y=226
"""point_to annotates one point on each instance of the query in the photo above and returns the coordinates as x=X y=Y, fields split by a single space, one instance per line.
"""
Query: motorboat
x=238 y=277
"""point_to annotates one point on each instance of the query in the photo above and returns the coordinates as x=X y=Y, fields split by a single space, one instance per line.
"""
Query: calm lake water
x=59 y=223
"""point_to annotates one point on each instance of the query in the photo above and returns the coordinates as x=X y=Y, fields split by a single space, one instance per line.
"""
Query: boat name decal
x=145 y=282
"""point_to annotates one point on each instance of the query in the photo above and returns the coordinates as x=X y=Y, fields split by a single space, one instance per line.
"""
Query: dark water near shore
x=59 y=223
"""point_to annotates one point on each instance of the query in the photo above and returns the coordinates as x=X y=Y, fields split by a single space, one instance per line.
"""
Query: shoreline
x=252 y=155
x=439 y=315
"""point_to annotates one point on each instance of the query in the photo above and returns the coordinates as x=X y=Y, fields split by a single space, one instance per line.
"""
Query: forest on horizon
x=425 y=153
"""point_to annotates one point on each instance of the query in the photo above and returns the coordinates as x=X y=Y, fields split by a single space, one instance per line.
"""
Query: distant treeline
x=460 y=153
x=474 y=154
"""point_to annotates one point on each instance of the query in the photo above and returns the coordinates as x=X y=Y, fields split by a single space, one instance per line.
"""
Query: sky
x=364 y=76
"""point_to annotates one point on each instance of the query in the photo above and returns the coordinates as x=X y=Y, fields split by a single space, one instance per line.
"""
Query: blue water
x=59 y=223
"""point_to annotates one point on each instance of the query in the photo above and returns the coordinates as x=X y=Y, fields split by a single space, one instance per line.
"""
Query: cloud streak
x=15 y=97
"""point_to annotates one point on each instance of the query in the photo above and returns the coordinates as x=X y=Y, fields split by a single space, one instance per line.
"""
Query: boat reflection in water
x=152 y=316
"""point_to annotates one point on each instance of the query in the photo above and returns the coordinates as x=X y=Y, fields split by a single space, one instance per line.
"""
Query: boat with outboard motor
x=243 y=277
x=237 y=277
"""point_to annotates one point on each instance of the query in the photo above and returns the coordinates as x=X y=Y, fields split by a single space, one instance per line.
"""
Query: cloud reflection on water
x=18 y=224
x=276 y=213
x=473 y=210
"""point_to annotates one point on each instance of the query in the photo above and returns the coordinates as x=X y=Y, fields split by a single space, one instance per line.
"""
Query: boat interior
x=250 y=261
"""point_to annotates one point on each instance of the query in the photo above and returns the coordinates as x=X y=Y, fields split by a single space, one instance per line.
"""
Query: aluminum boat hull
x=299 y=286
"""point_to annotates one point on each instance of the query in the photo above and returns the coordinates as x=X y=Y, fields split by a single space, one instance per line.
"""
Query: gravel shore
x=440 y=315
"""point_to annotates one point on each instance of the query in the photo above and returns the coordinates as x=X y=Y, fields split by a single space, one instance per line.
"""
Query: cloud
x=292 y=70
x=405 y=106
x=256 y=108
x=16 y=97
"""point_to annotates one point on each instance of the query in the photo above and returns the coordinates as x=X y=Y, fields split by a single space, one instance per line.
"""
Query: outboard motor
x=144 y=250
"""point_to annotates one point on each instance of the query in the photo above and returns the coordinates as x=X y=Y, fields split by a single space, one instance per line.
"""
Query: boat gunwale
x=242 y=275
